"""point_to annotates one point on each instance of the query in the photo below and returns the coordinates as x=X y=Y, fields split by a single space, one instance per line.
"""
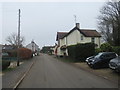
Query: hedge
x=80 y=52
x=5 y=64
x=116 y=49
x=23 y=53
x=71 y=51
x=97 y=50
x=106 y=47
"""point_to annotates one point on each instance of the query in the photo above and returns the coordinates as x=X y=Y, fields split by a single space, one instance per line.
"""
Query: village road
x=48 y=72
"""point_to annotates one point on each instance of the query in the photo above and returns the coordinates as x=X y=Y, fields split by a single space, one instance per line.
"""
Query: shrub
x=116 y=49
x=5 y=64
x=71 y=51
x=25 y=53
x=81 y=51
x=97 y=50
x=13 y=53
x=106 y=47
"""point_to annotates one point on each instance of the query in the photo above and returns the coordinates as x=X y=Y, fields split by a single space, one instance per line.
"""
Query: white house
x=33 y=46
x=61 y=42
x=75 y=36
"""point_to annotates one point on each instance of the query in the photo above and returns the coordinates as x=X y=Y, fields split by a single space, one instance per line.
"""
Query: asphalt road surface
x=48 y=72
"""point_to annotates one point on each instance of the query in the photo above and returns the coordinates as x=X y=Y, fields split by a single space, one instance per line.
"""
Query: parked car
x=89 y=58
x=101 y=59
x=114 y=64
x=5 y=54
x=5 y=62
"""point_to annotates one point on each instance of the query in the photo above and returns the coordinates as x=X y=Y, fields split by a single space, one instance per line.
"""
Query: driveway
x=106 y=73
x=49 y=72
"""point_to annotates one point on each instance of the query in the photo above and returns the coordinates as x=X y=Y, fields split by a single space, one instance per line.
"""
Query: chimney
x=77 y=25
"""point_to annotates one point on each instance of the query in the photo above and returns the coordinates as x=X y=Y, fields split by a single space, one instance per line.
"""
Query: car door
x=107 y=59
x=104 y=60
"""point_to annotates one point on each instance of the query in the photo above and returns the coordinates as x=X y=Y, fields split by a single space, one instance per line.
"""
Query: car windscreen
x=118 y=58
x=99 y=54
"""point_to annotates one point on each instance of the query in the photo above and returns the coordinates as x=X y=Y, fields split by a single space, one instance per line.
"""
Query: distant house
x=75 y=36
x=33 y=46
x=7 y=47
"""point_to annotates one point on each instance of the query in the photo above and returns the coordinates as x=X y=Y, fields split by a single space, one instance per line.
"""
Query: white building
x=33 y=46
x=75 y=36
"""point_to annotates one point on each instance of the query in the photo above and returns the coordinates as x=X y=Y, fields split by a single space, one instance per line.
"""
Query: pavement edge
x=24 y=75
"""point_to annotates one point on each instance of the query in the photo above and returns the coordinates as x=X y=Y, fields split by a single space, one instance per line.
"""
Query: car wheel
x=93 y=67
x=89 y=65
x=117 y=70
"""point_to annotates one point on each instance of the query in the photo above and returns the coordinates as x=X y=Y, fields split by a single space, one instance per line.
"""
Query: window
x=81 y=37
x=92 y=39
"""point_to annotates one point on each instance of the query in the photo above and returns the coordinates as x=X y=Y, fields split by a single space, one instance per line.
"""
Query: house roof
x=60 y=35
x=90 y=33
x=85 y=32
x=32 y=42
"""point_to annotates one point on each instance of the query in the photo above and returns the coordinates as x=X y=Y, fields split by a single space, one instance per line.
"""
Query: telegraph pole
x=18 y=38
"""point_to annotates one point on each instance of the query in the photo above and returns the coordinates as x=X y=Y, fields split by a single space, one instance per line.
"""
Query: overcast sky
x=41 y=21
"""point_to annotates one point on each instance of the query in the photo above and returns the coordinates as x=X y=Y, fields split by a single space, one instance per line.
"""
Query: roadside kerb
x=11 y=78
x=24 y=75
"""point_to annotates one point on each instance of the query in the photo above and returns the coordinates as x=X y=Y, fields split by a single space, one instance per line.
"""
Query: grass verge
x=8 y=69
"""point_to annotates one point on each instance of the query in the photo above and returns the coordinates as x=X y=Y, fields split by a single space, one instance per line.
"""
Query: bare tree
x=109 y=22
x=13 y=39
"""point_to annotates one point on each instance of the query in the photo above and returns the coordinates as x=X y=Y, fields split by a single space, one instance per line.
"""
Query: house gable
x=60 y=35
x=73 y=37
x=77 y=35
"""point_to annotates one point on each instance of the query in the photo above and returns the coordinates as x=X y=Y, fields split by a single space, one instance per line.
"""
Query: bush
x=25 y=53
x=106 y=47
x=5 y=64
x=116 y=49
x=80 y=52
x=13 y=53
x=71 y=51
x=97 y=50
